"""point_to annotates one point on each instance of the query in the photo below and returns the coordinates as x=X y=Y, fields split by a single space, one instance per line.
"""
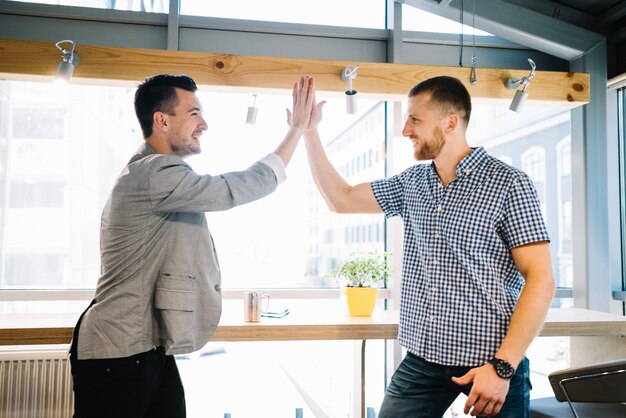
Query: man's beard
x=430 y=149
x=184 y=150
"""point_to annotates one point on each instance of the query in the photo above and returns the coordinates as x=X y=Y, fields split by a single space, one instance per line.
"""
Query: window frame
x=621 y=140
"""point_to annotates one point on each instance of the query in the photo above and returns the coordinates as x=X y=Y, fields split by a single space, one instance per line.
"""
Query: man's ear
x=160 y=121
x=451 y=122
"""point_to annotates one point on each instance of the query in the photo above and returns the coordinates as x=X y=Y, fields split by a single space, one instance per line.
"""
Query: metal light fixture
x=252 y=112
x=347 y=75
x=473 y=79
x=69 y=62
x=520 y=94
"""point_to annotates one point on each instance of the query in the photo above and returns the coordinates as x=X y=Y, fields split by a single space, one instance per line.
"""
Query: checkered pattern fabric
x=459 y=281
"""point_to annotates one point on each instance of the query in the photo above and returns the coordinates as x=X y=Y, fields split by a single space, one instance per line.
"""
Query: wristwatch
x=503 y=368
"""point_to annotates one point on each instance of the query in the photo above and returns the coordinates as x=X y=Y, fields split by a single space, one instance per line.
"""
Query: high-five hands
x=307 y=113
x=303 y=97
x=316 y=112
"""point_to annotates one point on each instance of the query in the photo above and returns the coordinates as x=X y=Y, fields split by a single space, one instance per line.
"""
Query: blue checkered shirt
x=460 y=284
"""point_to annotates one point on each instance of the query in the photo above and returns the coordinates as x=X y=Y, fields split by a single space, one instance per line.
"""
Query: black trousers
x=146 y=385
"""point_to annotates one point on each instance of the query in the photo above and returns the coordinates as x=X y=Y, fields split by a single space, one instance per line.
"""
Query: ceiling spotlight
x=252 y=111
x=347 y=75
x=70 y=61
x=520 y=95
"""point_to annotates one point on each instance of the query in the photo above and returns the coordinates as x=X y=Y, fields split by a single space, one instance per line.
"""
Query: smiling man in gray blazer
x=159 y=292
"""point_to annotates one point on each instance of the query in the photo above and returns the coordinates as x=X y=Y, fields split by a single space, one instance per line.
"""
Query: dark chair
x=598 y=390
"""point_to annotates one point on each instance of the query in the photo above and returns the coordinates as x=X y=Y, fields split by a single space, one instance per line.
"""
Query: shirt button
x=437 y=235
x=468 y=170
x=439 y=208
x=435 y=262
x=433 y=289
x=432 y=317
x=218 y=287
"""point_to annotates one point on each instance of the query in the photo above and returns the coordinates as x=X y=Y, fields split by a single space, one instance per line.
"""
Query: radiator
x=35 y=384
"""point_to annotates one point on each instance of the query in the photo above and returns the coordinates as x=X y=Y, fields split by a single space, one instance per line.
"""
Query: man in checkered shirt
x=473 y=236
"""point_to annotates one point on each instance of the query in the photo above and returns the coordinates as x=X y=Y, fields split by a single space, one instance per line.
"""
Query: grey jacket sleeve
x=175 y=187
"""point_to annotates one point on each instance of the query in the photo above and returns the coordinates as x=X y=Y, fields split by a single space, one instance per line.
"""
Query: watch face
x=503 y=368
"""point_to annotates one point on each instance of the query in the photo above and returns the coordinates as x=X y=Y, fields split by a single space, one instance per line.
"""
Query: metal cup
x=253 y=305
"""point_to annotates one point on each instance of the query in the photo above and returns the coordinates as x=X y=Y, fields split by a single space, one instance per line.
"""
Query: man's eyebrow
x=194 y=109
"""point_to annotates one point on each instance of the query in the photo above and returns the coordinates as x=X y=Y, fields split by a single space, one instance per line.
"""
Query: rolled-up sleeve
x=277 y=165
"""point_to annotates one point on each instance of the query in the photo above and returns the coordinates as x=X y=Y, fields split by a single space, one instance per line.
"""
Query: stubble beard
x=430 y=149
x=185 y=148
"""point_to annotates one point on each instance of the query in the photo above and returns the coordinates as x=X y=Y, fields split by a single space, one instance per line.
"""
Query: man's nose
x=405 y=130
x=204 y=126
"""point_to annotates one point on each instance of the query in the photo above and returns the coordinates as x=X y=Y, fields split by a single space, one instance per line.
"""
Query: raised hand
x=303 y=98
x=316 y=111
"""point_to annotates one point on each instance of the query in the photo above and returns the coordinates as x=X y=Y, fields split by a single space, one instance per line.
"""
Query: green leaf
x=364 y=269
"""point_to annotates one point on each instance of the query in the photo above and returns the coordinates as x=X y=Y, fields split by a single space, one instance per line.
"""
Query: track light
x=520 y=95
x=252 y=111
x=70 y=61
x=347 y=75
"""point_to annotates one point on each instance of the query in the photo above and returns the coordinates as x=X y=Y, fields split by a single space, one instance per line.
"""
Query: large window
x=289 y=239
x=415 y=19
x=351 y=13
x=533 y=141
x=62 y=149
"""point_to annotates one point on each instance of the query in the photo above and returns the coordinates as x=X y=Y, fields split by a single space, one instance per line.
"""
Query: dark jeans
x=145 y=385
x=419 y=389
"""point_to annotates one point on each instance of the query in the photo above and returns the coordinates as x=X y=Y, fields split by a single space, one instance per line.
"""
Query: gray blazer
x=160 y=282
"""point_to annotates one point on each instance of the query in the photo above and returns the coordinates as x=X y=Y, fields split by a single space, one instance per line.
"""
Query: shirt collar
x=467 y=165
x=470 y=162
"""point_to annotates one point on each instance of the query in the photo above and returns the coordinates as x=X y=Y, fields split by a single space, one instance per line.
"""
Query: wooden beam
x=128 y=66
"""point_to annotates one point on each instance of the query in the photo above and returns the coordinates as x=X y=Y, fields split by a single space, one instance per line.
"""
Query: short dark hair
x=448 y=94
x=158 y=94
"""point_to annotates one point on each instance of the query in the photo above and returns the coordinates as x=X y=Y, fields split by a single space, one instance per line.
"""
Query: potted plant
x=359 y=275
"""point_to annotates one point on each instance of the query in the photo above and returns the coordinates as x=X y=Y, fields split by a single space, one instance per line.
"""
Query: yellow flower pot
x=361 y=300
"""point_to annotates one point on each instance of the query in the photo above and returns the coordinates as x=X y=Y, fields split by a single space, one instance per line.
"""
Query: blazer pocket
x=174 y=300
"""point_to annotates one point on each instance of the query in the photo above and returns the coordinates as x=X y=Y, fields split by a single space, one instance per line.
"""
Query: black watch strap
x=503 y=368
